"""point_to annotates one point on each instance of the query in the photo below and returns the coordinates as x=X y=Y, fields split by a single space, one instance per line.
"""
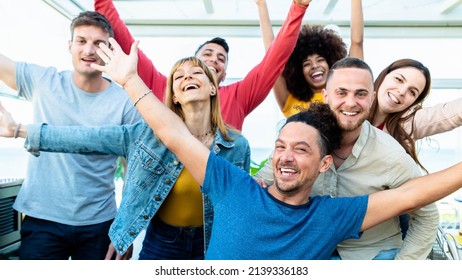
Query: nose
x=213 y=58
x=89 y=48
x=187 y=76
x=350 y=100
x=286 y=156
x=402 y=90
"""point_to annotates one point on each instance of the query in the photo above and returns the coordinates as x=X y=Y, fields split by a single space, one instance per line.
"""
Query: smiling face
x=83 y=46
x=349 y=93
x=191 y=84
x=400 y=89
x=315 y=68
x=216 y=58
x=297 y=162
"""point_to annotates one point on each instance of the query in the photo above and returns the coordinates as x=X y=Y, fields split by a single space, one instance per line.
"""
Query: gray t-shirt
x=70 y=189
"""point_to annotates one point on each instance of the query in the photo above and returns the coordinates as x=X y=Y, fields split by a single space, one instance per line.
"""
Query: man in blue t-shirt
x=281 y=221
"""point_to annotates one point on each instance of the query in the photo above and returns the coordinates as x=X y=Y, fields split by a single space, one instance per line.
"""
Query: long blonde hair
x=216 y=118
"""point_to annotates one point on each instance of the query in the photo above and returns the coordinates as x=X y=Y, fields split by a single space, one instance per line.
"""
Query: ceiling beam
x=208 y=6
x=449 y=5
x=330 y=6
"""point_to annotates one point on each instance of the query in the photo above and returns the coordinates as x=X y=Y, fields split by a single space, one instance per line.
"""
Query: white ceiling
x=383 y=18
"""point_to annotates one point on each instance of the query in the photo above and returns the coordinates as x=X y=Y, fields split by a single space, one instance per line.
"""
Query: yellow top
x=294 y=105
x=183 y=206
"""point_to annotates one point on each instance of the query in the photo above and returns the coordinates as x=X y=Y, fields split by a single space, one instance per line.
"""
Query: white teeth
x=190 y=86
x=393 y=98
x=287 y=170
x=317 y=73
x=349 y=113
x=213 y=69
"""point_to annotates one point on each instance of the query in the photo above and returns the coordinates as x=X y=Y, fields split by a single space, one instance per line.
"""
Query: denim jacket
x=152 y=169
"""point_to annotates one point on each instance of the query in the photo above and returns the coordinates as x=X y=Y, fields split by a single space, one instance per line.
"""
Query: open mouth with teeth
x=89 y=59
x=347 y=113
x=286 y=172
x=318 y=76
x=190 y=87
x=393 y=98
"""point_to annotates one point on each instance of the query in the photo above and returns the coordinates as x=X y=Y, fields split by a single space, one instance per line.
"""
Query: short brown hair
x=90 y=18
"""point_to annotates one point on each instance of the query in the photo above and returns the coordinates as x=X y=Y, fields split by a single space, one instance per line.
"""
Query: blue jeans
x=166 y=242
x=386 y=254
x=46 y=240
x=382 y=255
x=404 y=224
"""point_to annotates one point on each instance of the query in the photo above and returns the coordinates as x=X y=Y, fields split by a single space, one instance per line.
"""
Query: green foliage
x=255 y=167
x=120 y=169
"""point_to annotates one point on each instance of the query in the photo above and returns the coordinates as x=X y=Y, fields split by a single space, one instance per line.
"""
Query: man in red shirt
x=238 y=99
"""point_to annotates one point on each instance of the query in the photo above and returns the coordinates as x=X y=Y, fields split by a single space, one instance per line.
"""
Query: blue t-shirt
x=249 y=223
x=70 y=189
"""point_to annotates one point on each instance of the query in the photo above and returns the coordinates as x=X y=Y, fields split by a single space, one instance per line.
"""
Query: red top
x=237 y=99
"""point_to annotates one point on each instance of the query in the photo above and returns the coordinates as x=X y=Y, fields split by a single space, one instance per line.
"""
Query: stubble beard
x=349 y=126
x=286 y=189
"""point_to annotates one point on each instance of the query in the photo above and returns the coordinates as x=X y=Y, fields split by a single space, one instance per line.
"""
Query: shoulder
x=380 y=138
x=382 y=146
x=35 y=68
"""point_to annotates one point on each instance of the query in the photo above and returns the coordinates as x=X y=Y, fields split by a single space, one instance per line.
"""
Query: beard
x=285 y=188
x=349 y=126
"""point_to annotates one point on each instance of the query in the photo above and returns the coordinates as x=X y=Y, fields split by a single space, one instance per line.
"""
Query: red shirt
x=238 y=99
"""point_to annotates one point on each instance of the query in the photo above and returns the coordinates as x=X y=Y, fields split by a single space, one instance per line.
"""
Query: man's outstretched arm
x=412 y=195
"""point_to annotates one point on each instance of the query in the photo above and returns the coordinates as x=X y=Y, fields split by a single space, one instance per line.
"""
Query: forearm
x=265 y=23
x=170 y=129
x=437 y=119
x=257 y=84
x=357 y=30
x=77 y=139
x=146 y=69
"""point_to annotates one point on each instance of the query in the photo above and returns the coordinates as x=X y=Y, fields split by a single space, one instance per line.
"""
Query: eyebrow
x=404 y=78
x=211 y=50
x=296 y=143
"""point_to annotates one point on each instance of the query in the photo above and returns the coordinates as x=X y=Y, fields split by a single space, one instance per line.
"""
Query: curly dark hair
x=313 y=39
x=320 y=116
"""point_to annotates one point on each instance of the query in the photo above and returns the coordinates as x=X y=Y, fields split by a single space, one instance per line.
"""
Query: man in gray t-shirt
x=69 y=199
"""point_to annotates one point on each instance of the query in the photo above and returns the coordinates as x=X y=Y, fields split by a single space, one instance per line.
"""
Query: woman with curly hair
x=317 y=49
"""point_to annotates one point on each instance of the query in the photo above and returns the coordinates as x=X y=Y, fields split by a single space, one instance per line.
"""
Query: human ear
x=213 y=91
x=327 y=160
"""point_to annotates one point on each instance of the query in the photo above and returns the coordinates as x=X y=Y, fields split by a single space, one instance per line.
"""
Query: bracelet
x=141 y=97
x=16 y=130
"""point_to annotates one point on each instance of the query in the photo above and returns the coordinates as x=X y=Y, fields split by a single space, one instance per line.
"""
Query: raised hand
x=302 y=2
x=120 y=67
x=7 y=123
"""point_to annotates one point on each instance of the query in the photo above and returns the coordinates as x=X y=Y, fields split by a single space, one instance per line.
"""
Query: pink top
x=237 y=99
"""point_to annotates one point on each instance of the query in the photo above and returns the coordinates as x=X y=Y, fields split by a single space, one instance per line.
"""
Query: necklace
x=335 y=154
x=205 y=136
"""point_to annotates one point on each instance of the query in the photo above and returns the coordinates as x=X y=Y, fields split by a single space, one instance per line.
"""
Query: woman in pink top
x=401 y=89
